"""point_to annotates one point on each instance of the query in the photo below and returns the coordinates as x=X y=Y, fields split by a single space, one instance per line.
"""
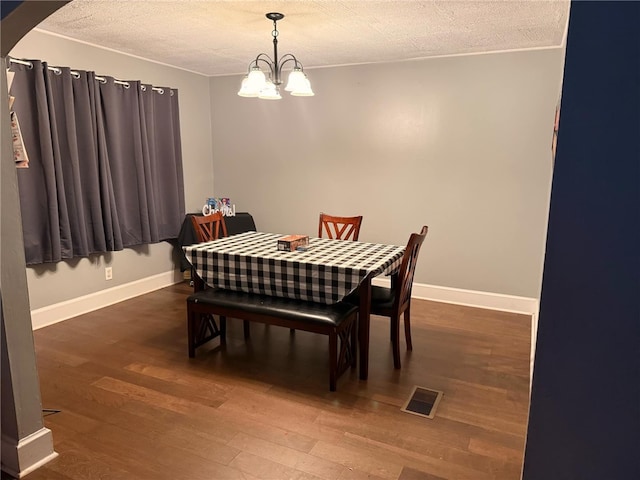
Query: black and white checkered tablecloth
x=326 y=273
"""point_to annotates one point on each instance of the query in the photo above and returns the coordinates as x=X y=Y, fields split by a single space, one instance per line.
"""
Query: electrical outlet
x=108 y=273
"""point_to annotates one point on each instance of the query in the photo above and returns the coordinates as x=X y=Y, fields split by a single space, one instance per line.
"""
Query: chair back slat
x=339 y=228
x=408 y=269
x=209 y=227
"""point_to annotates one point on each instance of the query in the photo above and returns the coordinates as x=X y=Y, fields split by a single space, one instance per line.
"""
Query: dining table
x=325 y=271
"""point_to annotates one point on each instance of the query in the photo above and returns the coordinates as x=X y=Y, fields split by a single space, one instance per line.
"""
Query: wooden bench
x=338 y=321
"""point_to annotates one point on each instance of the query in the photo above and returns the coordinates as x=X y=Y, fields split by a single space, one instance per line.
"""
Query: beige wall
x=53 y=283
x=461 y=144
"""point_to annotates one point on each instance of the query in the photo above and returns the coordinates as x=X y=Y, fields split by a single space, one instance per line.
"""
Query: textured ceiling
x=222 y=37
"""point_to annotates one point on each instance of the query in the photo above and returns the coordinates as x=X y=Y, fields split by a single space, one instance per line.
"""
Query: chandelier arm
x=289 y=58
x=264 y=58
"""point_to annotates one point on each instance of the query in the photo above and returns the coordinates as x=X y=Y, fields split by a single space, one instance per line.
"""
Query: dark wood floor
x=134 y=406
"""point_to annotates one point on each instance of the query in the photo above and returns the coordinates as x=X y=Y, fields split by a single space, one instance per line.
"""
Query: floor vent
x=423 y=402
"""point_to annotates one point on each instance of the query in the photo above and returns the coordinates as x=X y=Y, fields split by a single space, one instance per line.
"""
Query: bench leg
x=202 y=327
x=340 y=360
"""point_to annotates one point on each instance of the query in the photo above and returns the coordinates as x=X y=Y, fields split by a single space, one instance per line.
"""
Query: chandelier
x=257 y=84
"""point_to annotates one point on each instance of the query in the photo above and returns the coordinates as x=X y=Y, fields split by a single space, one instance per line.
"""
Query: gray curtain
x=105 y=163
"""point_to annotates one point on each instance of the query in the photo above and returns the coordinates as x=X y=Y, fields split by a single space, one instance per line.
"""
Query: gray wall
x=53 y=283
x=461 y=144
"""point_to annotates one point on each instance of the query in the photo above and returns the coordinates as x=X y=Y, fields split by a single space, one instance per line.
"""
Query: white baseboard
x=470 y=298
x=30 y=453
x=51 y=314
x=534 y=339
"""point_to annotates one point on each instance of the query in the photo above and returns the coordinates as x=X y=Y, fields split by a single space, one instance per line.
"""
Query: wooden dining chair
x=396 y=301
x=208 y=227
x=339 y=228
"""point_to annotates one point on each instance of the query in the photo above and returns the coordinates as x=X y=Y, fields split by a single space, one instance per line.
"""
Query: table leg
x=198 y=283
x=364 y=318
x=394 y=280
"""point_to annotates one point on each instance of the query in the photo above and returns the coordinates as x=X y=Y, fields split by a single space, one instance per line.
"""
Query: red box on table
x=291 y=242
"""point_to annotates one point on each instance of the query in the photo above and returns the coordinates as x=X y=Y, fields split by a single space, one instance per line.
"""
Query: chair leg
x=407 y=327
x=395 y=340
x=333 y=360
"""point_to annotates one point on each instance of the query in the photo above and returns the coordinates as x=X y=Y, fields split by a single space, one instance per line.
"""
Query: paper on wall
x=19 y=150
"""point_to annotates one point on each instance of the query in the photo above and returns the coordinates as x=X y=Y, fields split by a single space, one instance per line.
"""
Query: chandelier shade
x=296 y=80
x=269 y=91
x=267 y=86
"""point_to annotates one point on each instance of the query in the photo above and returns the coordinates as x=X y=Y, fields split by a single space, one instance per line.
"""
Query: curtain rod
x=75 y=74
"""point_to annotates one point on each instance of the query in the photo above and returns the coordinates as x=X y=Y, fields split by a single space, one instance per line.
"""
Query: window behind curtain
x=105 y=163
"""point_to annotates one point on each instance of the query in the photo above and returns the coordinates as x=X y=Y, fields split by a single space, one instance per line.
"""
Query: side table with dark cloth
x=240 y=223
